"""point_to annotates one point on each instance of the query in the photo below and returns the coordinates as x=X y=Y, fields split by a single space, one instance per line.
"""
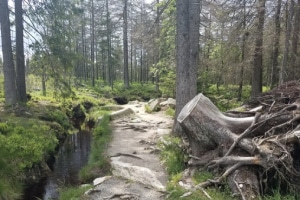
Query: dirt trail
x=134 y=157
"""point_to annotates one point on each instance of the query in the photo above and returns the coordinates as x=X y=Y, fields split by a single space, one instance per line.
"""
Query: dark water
x=72 y=156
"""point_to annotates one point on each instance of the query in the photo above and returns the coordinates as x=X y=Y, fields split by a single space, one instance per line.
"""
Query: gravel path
x=137 y=171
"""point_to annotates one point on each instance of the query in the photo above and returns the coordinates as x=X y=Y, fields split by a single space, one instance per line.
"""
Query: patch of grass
x=170 y=112
x=201 y=176
x=174 y=160
x=147 y=108
x=98 y=163
x=277 y=195
x=176 y=191
x=172 y=155
x=73 y=193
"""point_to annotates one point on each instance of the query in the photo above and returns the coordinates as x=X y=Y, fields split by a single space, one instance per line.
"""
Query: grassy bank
x=29 y=134
x=98 y=164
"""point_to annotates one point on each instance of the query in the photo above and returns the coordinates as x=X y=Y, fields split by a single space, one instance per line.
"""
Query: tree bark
x=125 y=45
x=10 y=88
x=187 y=46
x=283 y=69
x=93 y=43
x=240 y=90
x=295 y=41
x=20 y=60
x=275 y=54
x=258 y=51
x=109 y=75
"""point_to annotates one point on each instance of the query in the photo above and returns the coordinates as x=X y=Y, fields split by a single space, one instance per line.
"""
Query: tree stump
x=207 y=128
x=242 y=146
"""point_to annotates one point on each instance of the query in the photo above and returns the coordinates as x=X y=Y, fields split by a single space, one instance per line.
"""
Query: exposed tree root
x=262 y=143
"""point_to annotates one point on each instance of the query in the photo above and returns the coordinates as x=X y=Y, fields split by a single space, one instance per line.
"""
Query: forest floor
x=136 y=167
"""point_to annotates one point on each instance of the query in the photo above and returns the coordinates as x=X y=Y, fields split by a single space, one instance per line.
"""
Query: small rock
x=184 y=185
x=99 y=181
x=133 y=102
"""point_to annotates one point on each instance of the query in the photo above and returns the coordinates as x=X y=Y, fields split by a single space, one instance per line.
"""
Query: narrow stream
x=72 y=156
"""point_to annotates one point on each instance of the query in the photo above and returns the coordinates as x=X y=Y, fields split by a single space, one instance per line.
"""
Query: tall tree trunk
x=240 y=90
x=131 y=59
x=156 y=74
x=275 y=65
x=295 y=42
x=10 y=88
x=141 y=65
x=108 y=35
x=283 y=70
x=125 y=46
x=187 y=47
x=93 y=43
x=258 y=51
x=103 y=65
x=44 y=91
x=20 y=60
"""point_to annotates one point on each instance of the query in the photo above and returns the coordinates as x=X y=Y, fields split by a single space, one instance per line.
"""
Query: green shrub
x=57 y=116
x=4 y=128
x=22 y=147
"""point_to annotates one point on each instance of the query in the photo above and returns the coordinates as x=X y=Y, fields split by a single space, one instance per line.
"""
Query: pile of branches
x=254 y=149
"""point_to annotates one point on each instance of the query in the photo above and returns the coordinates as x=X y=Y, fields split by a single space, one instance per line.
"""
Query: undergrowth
x=22 y=148
x=174 y=159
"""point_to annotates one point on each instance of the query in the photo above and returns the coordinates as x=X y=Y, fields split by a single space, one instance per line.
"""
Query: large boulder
x=170 y=102
x=154 y=104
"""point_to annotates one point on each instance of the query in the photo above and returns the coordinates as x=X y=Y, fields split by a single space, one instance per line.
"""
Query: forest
x=106 y=42
x=236 y=49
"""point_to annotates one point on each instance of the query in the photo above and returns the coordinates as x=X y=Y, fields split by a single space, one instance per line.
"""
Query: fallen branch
x=126 y=154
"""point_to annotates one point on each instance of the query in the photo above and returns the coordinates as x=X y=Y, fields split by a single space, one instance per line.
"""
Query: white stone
x=99 y=181
x=136 y=173
x=184 y=185
x=133 y=102
x=121 y=113
x=170 y=102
